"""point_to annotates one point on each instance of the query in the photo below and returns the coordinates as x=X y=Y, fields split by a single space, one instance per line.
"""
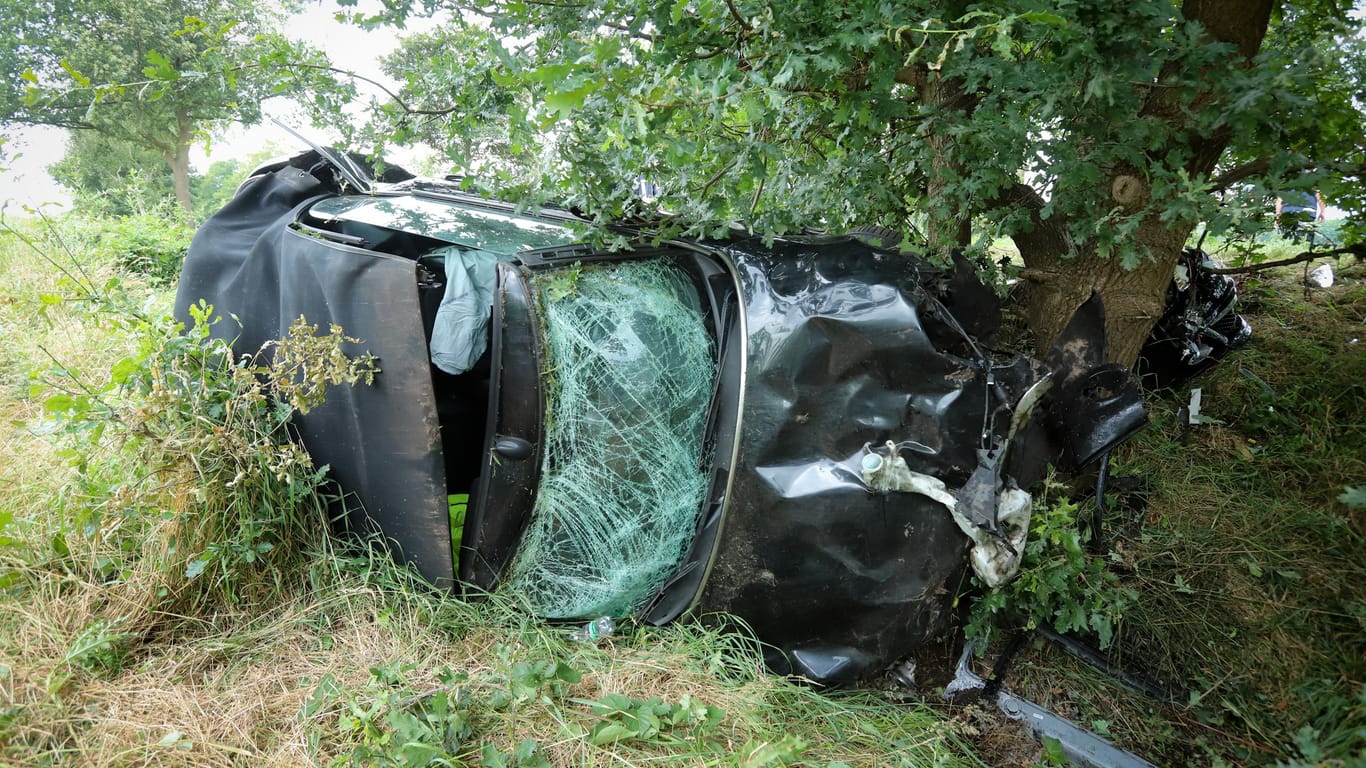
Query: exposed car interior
x=494 y=451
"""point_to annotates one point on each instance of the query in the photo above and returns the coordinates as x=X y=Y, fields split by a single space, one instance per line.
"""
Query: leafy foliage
x=391 y=720
x=146 y=244
x=158 y=75
x=393 y=723
x=305 y=364
x=785 y=116
x=1354 y=496
x=221 y=501
x=624 y=717
x=1093 y=133
x=113 y=177
x=1059 y=584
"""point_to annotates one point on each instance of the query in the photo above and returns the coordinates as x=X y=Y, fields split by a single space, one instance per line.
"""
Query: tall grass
x=1249 y=567
x=170 y=593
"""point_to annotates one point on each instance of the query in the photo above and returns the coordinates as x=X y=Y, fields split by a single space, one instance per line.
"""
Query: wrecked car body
x=809 y=435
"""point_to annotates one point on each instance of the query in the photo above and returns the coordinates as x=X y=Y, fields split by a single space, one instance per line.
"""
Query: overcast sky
x=31 y=150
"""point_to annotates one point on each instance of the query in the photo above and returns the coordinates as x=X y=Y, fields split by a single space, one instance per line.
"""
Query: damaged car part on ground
x=1080 y=746
x=1198 y=327
x=802 y=434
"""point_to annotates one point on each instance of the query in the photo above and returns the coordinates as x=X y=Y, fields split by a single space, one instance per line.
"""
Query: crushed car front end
x=808 y=434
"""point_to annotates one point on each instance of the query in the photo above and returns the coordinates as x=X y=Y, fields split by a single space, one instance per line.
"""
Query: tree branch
x=159 y=145
x=63 y=123
x=643 y=36
x=735 y=14
x=1021 y=194
x=403 y=105
x=717 y=177
x=1238 y=173
x=1048 y=240
x=913 y=76
x=1358 y=251
x=55 y=121
x=548 y=4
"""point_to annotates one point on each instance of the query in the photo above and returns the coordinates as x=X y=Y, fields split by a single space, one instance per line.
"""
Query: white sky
x=25 y=181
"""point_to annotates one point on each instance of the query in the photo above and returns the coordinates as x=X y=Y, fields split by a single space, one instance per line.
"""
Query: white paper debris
x=1322 y=276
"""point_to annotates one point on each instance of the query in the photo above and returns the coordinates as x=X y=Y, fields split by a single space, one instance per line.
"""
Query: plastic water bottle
x=595 y=630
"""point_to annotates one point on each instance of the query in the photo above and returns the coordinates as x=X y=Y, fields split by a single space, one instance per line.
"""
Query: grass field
x=173 y=599
x=1248 y=566
x=169 y=596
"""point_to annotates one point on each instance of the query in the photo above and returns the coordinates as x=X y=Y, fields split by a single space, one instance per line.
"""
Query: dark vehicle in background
x=810 y=434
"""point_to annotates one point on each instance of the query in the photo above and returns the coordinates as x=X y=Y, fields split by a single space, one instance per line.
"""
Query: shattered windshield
x=487 y=230
x=621 y=484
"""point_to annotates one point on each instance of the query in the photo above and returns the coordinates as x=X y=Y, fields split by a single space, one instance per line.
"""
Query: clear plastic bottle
x=595 y=630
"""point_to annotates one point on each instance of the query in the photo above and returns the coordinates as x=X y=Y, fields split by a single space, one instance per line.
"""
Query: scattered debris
x=1321 y=276
x=1081 y=747
x=1198 y=327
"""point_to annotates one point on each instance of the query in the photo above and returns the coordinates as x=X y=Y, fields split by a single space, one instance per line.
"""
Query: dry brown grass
x=104 y=666
x=237 y=701
x=238 y=705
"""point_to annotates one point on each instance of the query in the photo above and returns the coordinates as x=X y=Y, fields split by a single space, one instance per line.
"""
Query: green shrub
x=146 y=244
x=189 y=493
x=1059 y=584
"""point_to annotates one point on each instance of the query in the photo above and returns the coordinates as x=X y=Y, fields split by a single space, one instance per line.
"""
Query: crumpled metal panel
x=382 y=442
x=1198 y=326
x=843 y=352
x=837 y=349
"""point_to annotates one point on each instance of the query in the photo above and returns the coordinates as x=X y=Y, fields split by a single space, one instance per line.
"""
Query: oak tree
x=113 y=176
x=1096 y=134
x=159 y=74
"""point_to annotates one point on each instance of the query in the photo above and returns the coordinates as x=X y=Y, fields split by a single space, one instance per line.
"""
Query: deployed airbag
x=460 y=333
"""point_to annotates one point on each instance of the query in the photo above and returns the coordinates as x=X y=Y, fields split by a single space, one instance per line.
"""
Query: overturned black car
x=809 y=435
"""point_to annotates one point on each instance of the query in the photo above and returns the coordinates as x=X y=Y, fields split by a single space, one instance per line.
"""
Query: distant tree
x=455 y=60
x=157 y=73
x=113 y=176
x=1096 y=134
x=216 y=186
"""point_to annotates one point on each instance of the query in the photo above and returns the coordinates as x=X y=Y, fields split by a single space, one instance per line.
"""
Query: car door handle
x=514 y=448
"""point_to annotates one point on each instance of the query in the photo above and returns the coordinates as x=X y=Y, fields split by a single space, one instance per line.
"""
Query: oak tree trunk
x=1060 y=276
x=180 y=178
x=947 y=229
x=178 y=158
x=1134 y=299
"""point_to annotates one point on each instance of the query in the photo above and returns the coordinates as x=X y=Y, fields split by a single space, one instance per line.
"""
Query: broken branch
x=1347 y=250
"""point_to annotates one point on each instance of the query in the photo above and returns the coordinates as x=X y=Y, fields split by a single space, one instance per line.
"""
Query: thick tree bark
x=1133 y=298
x=948 y=228
x=180 y=178
x=1061 y=277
